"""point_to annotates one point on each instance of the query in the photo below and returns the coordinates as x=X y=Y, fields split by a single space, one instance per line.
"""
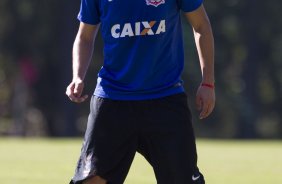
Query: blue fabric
x=190 y=5
x=143 y=46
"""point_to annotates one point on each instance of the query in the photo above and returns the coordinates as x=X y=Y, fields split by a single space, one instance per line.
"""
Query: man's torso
x=143 y=48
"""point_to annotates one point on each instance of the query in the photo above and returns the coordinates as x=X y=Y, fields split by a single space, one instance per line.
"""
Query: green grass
x=45 y=161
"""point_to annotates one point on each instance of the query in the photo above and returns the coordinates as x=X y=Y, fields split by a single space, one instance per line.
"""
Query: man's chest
x=126 y=10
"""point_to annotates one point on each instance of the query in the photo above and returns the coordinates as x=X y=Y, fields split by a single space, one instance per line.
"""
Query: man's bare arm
x=205 y=98
x=82 y=54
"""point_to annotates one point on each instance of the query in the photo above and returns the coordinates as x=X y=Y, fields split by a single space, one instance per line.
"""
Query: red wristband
x=208 y=85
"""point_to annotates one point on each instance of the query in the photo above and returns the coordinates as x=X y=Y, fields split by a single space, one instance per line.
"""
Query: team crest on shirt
x=155 y=3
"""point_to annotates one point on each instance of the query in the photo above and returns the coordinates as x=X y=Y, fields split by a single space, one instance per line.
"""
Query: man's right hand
x=74 y=91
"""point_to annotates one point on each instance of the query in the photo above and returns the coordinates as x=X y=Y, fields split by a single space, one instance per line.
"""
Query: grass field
x=45 y=161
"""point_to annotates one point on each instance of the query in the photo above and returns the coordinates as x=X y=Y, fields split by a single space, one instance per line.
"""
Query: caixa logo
x=138 y=29
x=155 y=3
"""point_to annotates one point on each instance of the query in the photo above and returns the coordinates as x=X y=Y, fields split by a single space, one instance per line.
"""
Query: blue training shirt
x=143 y=46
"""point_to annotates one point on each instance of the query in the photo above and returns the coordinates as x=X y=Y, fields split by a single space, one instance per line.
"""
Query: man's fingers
x=78 y=99
x=205 y=110
x=78 y=90
x=198 y=103
x=82 y=99
x=69 y=89
x=74 y=91
x=72 y=97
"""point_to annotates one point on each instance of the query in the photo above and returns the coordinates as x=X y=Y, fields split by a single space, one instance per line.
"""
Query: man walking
x=139 y=103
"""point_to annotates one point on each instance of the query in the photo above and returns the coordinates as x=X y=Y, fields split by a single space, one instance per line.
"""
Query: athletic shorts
x=159 y=129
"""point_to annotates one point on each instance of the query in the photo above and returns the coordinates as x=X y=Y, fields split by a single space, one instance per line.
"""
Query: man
x=139 y=103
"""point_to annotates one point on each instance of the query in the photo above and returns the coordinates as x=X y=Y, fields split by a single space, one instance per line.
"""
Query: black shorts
x=159 y=129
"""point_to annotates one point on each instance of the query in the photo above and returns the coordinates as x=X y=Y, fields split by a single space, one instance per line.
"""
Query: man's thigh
x=110 y=142
x=167 y=141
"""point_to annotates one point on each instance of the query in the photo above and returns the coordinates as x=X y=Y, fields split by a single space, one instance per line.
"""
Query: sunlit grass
x=45 y=161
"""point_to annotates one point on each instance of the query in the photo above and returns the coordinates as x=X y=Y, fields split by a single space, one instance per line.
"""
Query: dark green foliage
x=248 y=40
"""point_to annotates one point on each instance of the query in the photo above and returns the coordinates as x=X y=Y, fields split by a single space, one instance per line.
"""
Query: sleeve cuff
x=194 y=7
x=81 y=19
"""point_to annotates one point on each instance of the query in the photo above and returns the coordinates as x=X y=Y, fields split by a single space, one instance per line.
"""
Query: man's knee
x=95 y=180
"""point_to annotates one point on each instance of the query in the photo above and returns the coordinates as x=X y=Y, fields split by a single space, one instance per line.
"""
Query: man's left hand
x=205 y=101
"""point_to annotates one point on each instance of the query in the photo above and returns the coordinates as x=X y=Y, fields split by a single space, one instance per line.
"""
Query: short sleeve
x=89 y=12
x=190 y=5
